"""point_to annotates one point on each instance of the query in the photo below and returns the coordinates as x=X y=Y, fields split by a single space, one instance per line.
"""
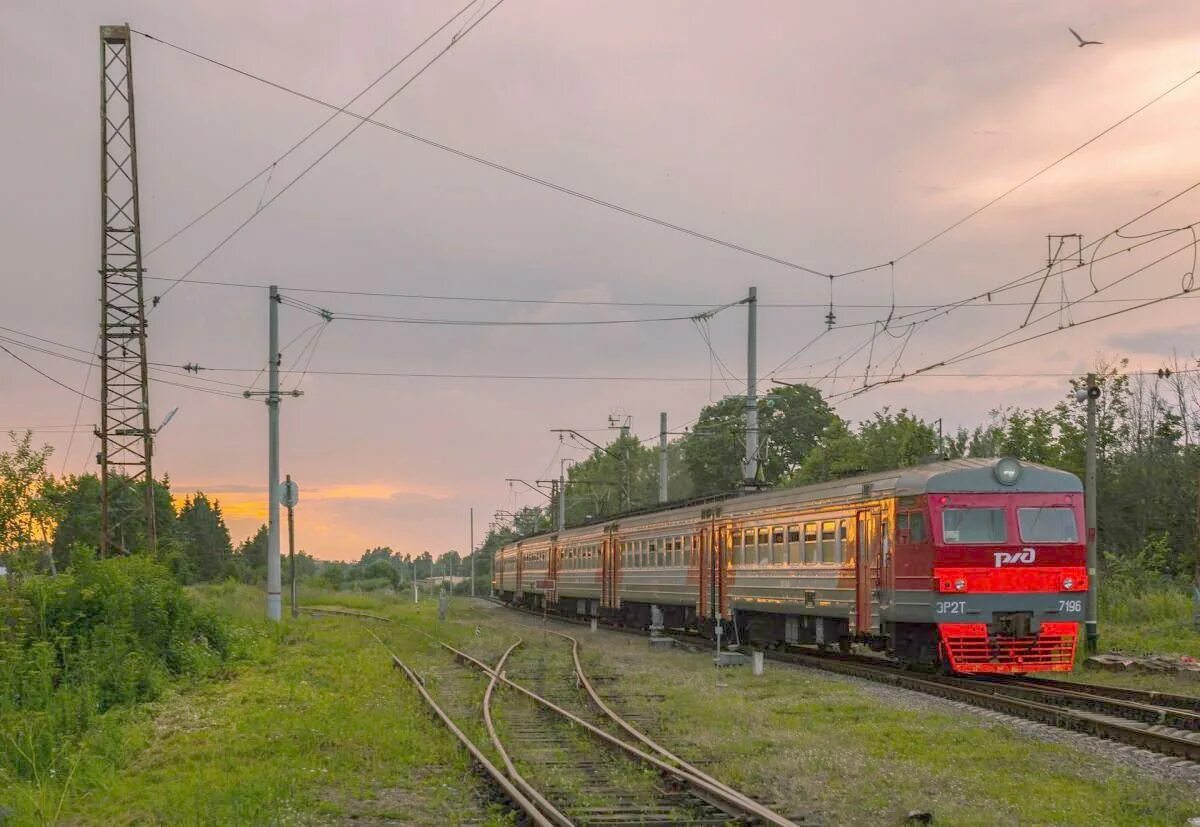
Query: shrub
x=108 y=633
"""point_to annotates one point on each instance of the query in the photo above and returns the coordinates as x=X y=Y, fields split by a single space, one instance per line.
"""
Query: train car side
x=946 y=563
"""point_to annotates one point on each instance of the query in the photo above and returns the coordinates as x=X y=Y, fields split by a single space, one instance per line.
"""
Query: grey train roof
x=955 y=476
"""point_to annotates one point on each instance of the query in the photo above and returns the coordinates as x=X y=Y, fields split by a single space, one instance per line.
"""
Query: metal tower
x=126 y=439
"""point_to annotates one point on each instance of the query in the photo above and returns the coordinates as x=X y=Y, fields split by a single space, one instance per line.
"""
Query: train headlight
x=1007 y=471
x=960 y=584
x=1068 y=583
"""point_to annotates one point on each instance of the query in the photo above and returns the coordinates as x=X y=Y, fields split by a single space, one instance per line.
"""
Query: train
x=972 y=566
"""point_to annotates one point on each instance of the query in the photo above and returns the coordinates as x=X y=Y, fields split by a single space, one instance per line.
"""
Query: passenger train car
x=973 y=565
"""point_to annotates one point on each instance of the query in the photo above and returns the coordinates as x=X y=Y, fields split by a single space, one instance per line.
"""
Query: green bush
x=108 y=633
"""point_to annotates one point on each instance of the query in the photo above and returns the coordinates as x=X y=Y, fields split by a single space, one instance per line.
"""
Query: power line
x=600 y=303
x=1036 y=275
x=270 y=168
x=533 y=179
x=1029 y=179
x=327 y=152
x=45 y=375
x=90 y=362
x=416 y=320
x=994 y=345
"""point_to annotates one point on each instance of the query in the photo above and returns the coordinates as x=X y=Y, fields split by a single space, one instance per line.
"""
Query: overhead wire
x=930 y=313
x=45 y=375
x=528 y=177
x=1029 y=179
x=996 y=343
x=417 y=320
x=327 y=152
x=270 y=168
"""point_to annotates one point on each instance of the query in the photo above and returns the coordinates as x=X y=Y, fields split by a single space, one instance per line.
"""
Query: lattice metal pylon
x=126 y=438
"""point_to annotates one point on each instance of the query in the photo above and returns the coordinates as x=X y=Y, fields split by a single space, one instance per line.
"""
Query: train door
x=706 y=597
x=518 y=587
x=887 y=567
x=609 y=562
x=713 y=602
x=867 y=571
x=552 y=571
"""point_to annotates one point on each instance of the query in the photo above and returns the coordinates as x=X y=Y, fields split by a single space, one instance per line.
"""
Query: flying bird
x=1083 y=42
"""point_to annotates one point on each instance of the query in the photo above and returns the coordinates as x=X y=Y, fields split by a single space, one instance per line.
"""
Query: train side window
x=841 y=542
x=749 y=553
x=810 y=542
x=829 y=542
x=793 y=545
x=778 y=545
x=764 y=546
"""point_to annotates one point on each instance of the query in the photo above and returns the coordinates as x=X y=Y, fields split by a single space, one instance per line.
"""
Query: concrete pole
x=662 y=458
x=1089 y=504
x=274 y=584
x=562 y=499
x=750 y=464
x=472 y=552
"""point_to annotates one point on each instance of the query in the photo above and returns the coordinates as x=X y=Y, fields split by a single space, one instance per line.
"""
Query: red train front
x=1008 y=561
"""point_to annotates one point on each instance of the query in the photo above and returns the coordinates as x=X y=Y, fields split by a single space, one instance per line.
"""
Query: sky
x=833 y=136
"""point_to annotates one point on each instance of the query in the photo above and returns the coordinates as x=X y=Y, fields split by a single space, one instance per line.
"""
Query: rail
x=734 y=803
x=510 y=790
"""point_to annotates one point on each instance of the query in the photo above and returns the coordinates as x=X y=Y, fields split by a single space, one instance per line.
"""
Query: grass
x=311 y=726
x=840 y=753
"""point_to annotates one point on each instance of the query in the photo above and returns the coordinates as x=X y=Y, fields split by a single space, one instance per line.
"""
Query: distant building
x=434 y=582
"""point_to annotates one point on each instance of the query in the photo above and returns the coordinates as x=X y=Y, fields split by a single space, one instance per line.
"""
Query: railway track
x=622 y=782
x=562 y=767
x=1153 y=728
x=1159 y=722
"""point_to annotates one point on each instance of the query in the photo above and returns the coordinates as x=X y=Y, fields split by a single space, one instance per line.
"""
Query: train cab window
x=793 y=545
x=829 y=542
x=778 y=545
x=810 y=542
x=974 y=525
x=1047 y=525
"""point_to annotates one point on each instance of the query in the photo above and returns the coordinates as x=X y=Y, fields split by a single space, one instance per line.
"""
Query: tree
x=30 y=500
x=252 y=552
x=884 y=442
x=205 y=538
x=714 y=449
x=792 y=419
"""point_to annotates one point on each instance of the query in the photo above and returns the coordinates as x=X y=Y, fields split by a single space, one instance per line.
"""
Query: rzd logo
x=1025 y=555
